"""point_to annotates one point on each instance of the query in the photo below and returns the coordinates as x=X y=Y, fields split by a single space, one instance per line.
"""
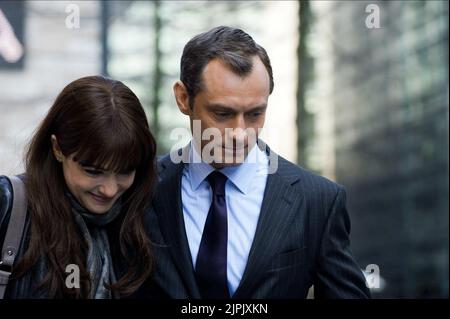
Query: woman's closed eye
x=127 y=172
x=93 y=171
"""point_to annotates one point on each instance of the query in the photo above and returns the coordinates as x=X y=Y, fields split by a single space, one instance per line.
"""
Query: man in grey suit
x=230 y=218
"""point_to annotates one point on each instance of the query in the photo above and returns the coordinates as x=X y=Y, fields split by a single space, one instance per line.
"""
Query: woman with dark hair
x=90 y=172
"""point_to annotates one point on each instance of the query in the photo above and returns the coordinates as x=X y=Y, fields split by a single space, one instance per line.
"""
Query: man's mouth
x=235 y=149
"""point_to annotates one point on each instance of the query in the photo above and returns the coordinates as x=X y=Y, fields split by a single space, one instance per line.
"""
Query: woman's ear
x=182 y=97
x=56 y=150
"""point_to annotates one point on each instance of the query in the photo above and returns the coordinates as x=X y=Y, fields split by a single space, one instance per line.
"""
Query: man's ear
x=182 y=97
x=56 y=149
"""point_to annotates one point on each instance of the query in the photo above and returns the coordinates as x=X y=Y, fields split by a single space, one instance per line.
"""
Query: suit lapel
x=277 y=211
x=169 y=209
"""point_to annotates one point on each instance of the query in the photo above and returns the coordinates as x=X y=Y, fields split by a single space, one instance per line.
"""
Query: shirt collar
x=240 y=175
x=198 y=169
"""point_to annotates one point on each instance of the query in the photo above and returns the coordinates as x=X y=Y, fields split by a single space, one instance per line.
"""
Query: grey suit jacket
x=302 y=239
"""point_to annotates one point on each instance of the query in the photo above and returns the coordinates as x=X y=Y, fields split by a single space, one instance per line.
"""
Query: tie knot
x=217 y=181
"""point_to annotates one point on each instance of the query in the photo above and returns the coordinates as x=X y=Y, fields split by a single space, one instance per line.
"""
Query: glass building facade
x=388 y=109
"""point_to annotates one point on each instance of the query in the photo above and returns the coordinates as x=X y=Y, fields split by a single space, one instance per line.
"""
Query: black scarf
x=99 y=263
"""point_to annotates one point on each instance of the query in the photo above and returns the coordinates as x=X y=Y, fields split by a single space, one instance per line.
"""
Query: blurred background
x=361 y=96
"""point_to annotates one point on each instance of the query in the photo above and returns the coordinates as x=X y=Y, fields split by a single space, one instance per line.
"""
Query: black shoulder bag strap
x=14 y=233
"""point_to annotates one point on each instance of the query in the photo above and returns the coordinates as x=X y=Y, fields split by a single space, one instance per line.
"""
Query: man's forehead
x=219 y=64
x=217 y=75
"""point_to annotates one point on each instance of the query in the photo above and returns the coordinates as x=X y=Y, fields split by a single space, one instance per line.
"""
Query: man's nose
x=239 y=132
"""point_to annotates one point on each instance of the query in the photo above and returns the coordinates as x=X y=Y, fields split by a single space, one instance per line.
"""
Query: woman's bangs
x=115 y=153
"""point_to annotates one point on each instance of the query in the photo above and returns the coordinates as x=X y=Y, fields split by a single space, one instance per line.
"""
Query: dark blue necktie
x=211 y=264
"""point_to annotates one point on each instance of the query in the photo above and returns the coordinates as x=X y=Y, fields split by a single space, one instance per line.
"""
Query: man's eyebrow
x=257 y=108
x=223 y=107
x=220 y=107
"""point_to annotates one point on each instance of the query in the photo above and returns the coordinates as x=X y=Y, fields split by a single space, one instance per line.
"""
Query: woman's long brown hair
x=101 y=122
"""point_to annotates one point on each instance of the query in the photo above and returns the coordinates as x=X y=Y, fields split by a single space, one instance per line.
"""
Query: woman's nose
x=109 y=188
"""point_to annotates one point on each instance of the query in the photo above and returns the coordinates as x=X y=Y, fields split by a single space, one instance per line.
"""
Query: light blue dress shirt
x=244 y=191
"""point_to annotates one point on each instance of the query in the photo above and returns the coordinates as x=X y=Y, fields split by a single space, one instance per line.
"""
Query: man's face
x=234 y=105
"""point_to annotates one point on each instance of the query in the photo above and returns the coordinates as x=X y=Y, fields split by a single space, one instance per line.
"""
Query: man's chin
x=224 y=165
x=226 y=157
x=228 y=162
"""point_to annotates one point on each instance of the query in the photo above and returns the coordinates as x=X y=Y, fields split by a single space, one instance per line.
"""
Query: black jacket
x=302 y=239
x=25 y=286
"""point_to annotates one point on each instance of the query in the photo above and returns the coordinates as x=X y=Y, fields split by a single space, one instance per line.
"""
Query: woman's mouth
x=101 y=199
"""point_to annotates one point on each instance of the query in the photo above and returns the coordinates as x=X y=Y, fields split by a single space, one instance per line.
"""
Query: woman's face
x=95 y=189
